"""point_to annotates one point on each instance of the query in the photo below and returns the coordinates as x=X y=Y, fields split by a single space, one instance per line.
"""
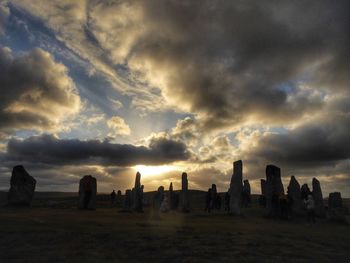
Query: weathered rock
x=318 y=198
x=246 y=193
x=305 y=191
x=294 y=195
x=213 y=197
x=87 y=193
x=127 y=204
x=336 y=211
x=236 y=187
x=262 y=197
x=185 y=202
x=22 y=187
x=274 y=189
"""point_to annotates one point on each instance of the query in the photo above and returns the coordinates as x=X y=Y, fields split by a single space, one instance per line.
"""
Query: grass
x=65 y=234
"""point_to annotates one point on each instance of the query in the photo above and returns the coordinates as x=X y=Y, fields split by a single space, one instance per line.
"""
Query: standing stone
x=262 y=198
x=336 y=211
x=22 y=187
x=87 y=193
x=171 y=196
x=138 y=194
x=294 y=195
x=184 y=194
x=274 y=189
x=236 y=187
x=127 y=204
x=246 y=193
x=305 y=191
x=318 y=198
x=213 y=197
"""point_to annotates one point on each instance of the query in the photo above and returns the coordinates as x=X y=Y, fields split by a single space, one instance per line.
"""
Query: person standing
x=310 y=208
x=113 y=196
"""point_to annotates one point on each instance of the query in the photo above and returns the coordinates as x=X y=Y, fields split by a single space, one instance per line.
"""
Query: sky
x=109 y=88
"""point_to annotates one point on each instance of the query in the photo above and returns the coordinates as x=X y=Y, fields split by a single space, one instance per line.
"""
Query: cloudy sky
x=111 y=87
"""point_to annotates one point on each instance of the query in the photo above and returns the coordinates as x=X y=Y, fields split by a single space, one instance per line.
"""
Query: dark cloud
x=233 y=61
x=36 y=92
x=48 y=149
x=313 y=144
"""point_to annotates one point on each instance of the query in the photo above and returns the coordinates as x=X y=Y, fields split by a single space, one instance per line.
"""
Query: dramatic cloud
x=36 y=92
x=204 y=82
x=47 y=149
x=118 y=126
x=4 y=13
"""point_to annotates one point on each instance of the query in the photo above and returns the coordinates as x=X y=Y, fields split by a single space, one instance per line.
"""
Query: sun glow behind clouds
x=146 y=170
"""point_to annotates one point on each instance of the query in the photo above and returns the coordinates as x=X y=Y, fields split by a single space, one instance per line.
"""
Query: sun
x=147 y=170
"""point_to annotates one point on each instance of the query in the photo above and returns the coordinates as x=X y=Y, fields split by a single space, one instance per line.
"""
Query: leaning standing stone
x=235 y=190
x=22 y=187
x=87 y=193
x=317 y=195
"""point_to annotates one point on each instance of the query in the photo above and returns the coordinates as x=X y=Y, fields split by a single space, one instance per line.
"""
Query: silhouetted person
x=218 y=202
x=275 y=205
x=208 y=201
x=227 y=202
x=113 y=196
x=284 y=209
x=310 y=208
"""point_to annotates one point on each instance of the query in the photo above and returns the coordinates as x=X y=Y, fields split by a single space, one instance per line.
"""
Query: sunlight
x=147 y=170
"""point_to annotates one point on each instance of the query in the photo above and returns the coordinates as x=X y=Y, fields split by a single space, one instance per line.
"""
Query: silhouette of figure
x=310 y=208
x=227 y=202
x=113 y=196
x=208 y=201
x=284 y=209
x=218 y=202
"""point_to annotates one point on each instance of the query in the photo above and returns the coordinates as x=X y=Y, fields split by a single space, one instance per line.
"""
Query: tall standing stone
x=274 y=189
x=294 y=195
x=236 y=187
x=335 y=208
x=87 y=193
x=22 y=187
x=137 y=193
x=246 y=193
x=185 y=202
x=318 y=198
x=214 y=196
x=262 y=198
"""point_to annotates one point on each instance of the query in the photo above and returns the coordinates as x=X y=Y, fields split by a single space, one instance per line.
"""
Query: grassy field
x=55 y=231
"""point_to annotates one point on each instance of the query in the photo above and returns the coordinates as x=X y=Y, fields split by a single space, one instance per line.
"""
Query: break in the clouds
x=266 y=82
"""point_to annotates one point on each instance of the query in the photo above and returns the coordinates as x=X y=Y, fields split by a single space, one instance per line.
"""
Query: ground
x=55 y=231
